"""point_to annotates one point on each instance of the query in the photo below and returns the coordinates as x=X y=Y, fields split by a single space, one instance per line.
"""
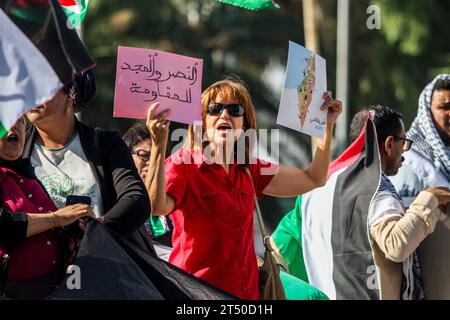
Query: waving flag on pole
x=325 y=239
x=253 y=4
x=23 y=70
x=38 y=55
x=75 y=10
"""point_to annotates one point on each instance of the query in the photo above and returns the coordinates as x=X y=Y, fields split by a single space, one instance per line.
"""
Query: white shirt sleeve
x=384 y=206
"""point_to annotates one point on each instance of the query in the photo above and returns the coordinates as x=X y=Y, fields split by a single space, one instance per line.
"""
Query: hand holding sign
x=144 y=76
x=158 y=125
x=333 y=107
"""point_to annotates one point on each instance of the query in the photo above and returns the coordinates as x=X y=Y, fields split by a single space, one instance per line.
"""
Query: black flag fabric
x=45 y=23
x=111 y=267
x=354 y=266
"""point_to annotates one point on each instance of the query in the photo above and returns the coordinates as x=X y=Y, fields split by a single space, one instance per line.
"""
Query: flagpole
x=311 y=40
x=342 y=73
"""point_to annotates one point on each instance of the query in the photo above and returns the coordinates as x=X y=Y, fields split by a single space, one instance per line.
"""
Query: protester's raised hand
x=333 y=106
x=72 y=213
x=157 y=124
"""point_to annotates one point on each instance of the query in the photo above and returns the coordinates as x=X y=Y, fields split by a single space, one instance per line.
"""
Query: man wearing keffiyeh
x=428 y=162
x=426 y=165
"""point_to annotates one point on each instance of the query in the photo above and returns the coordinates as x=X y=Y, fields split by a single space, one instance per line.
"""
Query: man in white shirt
x=394 y=231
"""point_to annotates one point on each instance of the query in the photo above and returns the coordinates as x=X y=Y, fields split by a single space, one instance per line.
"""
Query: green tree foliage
x=392 y=65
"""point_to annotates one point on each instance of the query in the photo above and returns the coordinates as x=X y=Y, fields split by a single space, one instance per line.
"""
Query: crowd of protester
x=198 y=202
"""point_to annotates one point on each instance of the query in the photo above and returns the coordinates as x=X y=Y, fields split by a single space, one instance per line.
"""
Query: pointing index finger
x=151 y=111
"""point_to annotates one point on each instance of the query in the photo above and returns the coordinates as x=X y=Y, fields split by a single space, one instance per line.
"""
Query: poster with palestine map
x=304 y=84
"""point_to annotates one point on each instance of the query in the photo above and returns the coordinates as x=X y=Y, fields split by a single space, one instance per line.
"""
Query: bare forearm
x=155 y=182
x=292 y=181
x=318 y=168
x=38 y=223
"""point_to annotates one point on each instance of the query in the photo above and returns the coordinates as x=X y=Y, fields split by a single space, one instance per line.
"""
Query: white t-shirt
x=66 y=171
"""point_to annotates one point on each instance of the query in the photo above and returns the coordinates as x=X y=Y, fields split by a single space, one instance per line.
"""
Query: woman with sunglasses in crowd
x=209 y=185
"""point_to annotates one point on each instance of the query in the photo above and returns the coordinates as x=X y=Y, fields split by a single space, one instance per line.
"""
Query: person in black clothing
x=138 y=140
x=71 y=158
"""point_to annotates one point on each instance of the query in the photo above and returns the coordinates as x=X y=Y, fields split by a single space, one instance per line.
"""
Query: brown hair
x=234 y=89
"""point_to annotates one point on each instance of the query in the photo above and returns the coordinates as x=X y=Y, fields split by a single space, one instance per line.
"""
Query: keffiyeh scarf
x=412 y=282
x=427 y=141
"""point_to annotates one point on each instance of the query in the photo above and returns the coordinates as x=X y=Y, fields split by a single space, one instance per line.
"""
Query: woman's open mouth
x=224 y=128
x=36 y=109
x=13 y=138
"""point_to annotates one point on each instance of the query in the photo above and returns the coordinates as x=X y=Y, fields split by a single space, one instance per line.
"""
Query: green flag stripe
x=252 y=4
x=297 y=289
x=288 y=238
x=3 y=130
x=35 y=13
x=38 y=13
x=76 y=18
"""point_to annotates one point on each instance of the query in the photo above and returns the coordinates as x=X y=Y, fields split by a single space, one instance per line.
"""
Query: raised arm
x=155 y=181
x=291 y=181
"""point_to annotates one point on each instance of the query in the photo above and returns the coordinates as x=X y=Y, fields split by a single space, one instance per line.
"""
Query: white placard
x=304 y=85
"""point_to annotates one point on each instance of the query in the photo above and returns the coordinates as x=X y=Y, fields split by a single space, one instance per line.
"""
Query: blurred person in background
x=138 y=140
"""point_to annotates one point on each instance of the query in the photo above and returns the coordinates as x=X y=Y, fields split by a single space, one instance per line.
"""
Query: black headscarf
x=20 y=166
x=83 y=88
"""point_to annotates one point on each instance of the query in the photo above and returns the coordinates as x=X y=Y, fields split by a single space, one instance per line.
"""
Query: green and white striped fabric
x=38 y=54
x=75 y=10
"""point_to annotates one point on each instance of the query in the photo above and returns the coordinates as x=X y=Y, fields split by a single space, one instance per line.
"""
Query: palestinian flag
x=325 y=239
x=23 y=69
x=75 y=10
x=38 y=55
x=253 y=4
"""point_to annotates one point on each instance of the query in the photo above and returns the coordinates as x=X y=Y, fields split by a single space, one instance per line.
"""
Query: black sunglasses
x=144 y=155
x=407 y=143
x=234 y=109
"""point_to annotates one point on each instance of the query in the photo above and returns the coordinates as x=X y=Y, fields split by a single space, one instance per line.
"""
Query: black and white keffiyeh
x=412 y=282
x=427 y=141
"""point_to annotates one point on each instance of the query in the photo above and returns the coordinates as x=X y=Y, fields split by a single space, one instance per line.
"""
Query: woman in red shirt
x=209 y=191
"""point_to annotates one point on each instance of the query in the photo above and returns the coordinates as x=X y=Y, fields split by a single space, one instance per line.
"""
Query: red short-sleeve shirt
x=213 y=220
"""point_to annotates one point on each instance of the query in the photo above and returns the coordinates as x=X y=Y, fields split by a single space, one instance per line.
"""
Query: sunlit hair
x=231 y=89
